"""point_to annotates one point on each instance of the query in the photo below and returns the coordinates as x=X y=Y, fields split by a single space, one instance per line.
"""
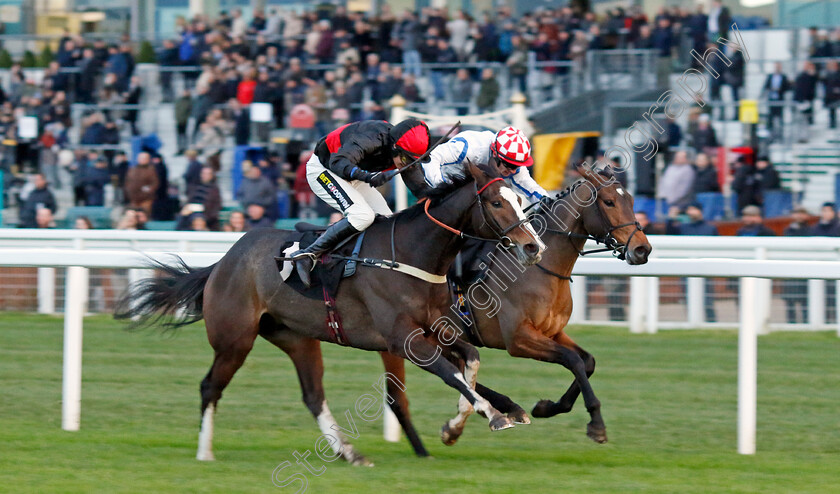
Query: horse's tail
x=173 y=300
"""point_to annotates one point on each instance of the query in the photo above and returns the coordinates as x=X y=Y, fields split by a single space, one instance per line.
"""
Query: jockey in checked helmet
x=509 y=147
x=347 y=165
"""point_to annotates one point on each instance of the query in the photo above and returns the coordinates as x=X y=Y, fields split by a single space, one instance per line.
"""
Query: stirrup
x=297 y=256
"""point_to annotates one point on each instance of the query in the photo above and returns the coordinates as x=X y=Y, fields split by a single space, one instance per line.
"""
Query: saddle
x=327 y=274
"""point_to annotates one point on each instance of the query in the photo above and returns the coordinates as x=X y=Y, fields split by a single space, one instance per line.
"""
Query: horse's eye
x=609 y=203
x=496 y=204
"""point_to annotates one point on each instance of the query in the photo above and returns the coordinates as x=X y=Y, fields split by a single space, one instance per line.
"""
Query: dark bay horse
x=536 y=303
x=243 y=296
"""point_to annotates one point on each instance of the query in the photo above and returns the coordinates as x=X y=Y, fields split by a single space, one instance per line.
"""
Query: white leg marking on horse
x=205 y=435
x=465 y=409
x=481 y=405
x=511 y=197
x=325 y=423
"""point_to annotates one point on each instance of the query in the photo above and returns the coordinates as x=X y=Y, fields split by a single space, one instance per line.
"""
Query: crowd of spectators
x=345 y=66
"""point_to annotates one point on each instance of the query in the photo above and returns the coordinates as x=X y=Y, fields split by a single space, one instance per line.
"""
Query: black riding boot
x=305 y=258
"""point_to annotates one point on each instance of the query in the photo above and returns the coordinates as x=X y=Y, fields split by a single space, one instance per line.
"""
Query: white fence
x=654 y=304
x=754 y=261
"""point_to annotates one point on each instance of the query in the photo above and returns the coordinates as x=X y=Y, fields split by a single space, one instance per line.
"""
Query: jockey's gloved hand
x=377 y=179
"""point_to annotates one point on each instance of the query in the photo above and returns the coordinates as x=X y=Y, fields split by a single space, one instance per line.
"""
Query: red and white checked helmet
x=512 y=147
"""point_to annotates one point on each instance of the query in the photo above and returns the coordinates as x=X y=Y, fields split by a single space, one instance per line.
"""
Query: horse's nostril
x=641 y=251
x=531 y=249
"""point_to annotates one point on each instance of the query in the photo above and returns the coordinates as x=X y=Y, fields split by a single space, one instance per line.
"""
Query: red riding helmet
x=512 y=147
x=411 y=137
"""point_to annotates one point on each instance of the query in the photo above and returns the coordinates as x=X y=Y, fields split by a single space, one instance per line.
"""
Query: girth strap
x=333 y=321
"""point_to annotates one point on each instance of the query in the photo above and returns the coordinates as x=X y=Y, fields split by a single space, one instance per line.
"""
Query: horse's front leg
x=466 y=357
x=548 y=408
x=530 y=343
x=428 y=355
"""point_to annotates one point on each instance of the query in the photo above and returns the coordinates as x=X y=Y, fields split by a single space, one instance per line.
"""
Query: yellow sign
x=551 y=154
x=748 y=112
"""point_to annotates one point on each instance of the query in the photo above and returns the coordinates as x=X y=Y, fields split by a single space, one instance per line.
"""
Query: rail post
x=694 y=294
x=653 y=306
x=748 y=364
x=74 y=310
x=638 y=303
x=46 y=290
x=816 y=302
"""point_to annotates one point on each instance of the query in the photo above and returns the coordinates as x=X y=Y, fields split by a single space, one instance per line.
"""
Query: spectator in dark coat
x=753 y=224
x=117 y=64
x=775 y=87
x=831 y=84
x=647 y=227
x=94 y=178
x=256 y=189
x=192 y=176
x=95 y=132
x=695 y=225
x=795 y=292
x=167 y=58
x=828 y=226
x=751 y=182
x=488 y=91
x=39 y=198
x=132 y=97
x=733 y=76
x=805 y=90
x=462 y=89
x=203 y=198
x=706 y=176
x=257 y=218
x=183 y=110
x=88 y=72
x=242 y=123
x=704 y=136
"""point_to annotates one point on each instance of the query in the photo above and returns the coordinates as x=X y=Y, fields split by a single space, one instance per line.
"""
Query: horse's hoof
x=597 y=434
x=501 y=423
x=207 y=456
x=360 y=461
x=448 y=436
x=519 y=417
x=542 y=409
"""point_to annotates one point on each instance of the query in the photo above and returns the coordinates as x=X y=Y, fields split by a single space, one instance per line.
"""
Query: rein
x=497 y=229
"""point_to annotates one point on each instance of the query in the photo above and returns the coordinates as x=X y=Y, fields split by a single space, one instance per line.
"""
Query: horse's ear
x=491 y=168
x=588 y=172
x=478 y=174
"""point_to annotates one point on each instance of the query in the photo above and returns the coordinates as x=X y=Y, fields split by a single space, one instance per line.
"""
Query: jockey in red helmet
x=347 y=165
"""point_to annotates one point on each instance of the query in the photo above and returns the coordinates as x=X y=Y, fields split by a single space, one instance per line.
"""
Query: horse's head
x=500 y=215
x=609 y=217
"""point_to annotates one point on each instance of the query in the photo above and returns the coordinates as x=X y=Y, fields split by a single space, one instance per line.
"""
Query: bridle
x=611 y=244
x=501 y=233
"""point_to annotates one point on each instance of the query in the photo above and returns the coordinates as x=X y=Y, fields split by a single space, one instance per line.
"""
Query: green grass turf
x=669 y=401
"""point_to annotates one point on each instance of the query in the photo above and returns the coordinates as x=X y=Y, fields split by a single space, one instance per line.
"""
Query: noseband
x=501 y=233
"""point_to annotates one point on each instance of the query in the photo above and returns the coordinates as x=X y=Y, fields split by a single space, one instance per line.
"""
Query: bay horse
x=243 y=296
x=537 y=302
